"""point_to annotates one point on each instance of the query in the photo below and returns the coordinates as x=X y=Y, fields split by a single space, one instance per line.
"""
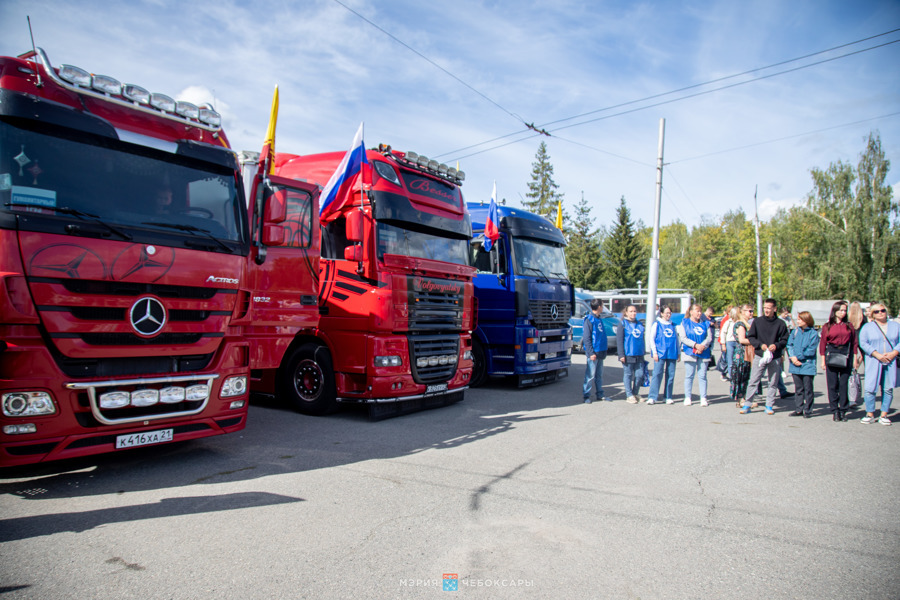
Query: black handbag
x=836 y=357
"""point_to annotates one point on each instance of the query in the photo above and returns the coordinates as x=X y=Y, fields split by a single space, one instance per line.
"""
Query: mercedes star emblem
x=147 y=316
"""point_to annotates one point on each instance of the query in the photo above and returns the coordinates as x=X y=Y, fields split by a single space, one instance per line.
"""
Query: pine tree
x=624 y=262
x=542 y=195
x=583 y=251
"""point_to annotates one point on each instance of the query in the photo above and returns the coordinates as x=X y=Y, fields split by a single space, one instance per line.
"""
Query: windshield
x=536 y=258
x=124 y=186
x=405 y=242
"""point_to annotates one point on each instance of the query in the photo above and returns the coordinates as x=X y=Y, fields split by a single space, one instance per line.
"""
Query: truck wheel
x=479 y=368
x=307 y=380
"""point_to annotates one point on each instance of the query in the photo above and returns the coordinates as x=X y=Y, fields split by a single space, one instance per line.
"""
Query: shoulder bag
x=836 y=357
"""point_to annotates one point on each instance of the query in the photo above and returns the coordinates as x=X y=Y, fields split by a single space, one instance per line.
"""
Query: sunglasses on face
x=879 y=311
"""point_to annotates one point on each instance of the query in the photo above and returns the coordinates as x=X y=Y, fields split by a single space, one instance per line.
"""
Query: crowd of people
x=754 y=351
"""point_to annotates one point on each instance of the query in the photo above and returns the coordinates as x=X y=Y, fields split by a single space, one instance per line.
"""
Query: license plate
x=437 y=388
x=145 y=438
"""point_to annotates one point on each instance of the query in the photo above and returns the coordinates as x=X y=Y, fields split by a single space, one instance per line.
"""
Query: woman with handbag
x=856 y=318
x=801 y=351
x=742 y=355
x=837 y=345
x=879 y=339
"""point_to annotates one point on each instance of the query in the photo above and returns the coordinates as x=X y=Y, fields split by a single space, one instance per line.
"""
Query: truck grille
x=542 y=312
x=440 y=349
x=435 y=310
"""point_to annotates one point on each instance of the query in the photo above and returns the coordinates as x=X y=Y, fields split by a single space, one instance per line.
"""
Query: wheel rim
x=308 y=380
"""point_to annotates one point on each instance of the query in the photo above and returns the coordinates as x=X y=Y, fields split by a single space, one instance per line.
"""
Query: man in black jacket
x=767 y=332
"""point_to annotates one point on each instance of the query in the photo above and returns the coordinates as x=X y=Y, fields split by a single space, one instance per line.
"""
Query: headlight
x=388 y=361
x=27 y=404
x=531 y=357
x=234 y=386
x=467 y=355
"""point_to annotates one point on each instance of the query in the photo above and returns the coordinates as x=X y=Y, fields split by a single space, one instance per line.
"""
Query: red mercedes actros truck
x=383 y=316
x=123 y=241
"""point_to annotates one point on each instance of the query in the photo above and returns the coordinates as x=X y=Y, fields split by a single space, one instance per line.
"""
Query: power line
x=781 y=139
x=684 y=89
x=727 y=77
x=725 y=87
x=431 y=62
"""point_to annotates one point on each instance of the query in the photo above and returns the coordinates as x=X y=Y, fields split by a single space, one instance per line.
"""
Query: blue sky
x=530 y=62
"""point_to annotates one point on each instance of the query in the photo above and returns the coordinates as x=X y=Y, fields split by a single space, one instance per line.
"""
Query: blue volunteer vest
x=633 y=334
x=666 y=341
x=598 y=335
x=696 y=332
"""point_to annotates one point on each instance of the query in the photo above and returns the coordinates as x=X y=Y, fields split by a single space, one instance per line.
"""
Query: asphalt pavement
x=507 y=494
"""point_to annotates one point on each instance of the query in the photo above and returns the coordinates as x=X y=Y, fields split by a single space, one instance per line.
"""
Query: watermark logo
x=451 y=582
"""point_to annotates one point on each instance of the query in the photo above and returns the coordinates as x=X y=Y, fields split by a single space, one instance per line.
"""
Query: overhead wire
x=434 y=64
x=704 y=92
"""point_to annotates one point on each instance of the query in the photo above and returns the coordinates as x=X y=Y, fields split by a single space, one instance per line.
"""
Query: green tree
x=542 y=197
x=624 y=259
x=858 y=259
x=583 y=251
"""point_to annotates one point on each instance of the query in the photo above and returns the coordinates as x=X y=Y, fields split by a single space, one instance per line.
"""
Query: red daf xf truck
x=384 y=316
x=123 y=244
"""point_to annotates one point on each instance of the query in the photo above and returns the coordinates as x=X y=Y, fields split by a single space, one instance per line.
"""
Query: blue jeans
x=887 y=394
x=729 y=356
x=593 y=378
x=661 y=366
x=633 y=377
x=690 y=369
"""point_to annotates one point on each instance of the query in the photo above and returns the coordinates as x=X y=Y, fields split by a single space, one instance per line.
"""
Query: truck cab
x=122 y=244
x=524 y=299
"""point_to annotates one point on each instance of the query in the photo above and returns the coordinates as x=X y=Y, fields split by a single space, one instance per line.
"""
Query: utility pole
x=770 y=270
x=758 y=261
x=652 y=284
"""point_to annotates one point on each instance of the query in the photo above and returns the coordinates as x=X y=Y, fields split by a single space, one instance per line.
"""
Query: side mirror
x=355 y=226
x=276 y=206
x=273 y=235
x=353 y=253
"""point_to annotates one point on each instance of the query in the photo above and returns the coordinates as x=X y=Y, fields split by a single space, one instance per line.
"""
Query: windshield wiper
x=559 y=275
x=65 y=210
x=538 y=271
x=197 y=231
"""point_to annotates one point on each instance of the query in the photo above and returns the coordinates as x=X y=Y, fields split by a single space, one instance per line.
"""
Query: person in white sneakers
x=664 y=354
x=696 y=337
x=879 y=339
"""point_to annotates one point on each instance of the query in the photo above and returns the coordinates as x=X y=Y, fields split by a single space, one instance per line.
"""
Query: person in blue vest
x=594 y=343
x=664 y=352
x=630 y=348
x=695 y=336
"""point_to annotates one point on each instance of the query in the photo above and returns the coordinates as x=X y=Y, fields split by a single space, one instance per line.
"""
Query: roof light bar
x=112 y=90
x=440 y=169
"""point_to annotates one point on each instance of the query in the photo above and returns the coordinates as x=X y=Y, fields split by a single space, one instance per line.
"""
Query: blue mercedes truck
x=523 y=297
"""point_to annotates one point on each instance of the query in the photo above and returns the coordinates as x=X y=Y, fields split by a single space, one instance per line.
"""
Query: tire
x=306 y=380
x=479 y=368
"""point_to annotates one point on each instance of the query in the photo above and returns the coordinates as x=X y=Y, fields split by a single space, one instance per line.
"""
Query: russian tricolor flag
x=491 y=226
x=336 y=193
